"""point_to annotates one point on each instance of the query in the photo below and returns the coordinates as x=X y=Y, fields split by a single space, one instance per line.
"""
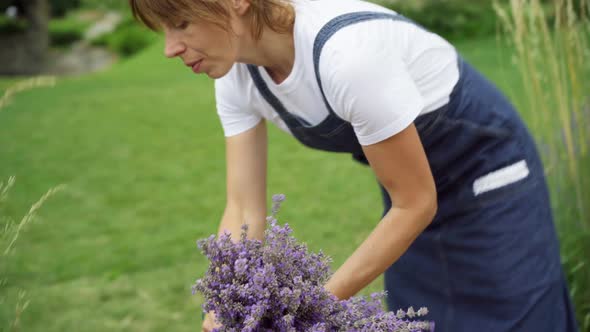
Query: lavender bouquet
x=277 y=285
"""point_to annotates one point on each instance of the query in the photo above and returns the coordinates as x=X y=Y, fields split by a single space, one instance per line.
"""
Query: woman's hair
x=278 y=15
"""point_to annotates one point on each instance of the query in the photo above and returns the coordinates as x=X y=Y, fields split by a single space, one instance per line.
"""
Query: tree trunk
x=23 y=53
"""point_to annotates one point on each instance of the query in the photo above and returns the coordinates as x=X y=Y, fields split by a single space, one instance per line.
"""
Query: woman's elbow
x=425 y=206
x=430 y=206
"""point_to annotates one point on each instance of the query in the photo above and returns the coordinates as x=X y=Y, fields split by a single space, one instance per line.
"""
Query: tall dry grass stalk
x=552 y=45
x=10 y=233
x=552 y=59
x=14 y=230
x=35 y=82
x=9 y=230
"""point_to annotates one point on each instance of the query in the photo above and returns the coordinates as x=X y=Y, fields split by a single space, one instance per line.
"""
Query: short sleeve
x=233 y=108
x=367 y=82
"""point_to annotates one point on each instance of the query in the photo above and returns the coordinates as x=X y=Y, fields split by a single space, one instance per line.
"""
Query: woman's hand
x=209 y=322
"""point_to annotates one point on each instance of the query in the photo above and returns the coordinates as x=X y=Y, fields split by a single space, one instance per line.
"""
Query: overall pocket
x=475 y=164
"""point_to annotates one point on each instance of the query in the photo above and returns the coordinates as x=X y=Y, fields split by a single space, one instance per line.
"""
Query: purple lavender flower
x=278 y=285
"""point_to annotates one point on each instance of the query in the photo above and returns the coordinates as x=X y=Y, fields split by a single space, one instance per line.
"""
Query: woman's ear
x=240 y=6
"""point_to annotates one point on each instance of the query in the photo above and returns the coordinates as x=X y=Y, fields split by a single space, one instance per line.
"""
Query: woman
x=470 y=235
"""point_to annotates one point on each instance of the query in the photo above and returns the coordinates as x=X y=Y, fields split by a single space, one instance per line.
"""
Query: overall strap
x=338 y=23
x=290 y=119
x=322 y=37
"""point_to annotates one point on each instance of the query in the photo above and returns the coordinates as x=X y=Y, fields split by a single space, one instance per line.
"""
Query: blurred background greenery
x=135 y=140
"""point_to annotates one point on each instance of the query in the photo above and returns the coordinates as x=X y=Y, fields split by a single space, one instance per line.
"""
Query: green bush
x=63 y=32
x=128 y=39
x=105 y=4
x=60 y=7
x=9 y=26
x=131 y=40
x=452 y=19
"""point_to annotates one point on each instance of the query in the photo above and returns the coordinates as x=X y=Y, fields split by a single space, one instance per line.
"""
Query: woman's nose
x=173 y=47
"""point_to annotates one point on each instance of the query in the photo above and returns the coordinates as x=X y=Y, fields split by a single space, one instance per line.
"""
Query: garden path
x=82 y=57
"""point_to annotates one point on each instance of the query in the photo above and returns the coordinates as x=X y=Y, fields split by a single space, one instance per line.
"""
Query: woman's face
x=205 y=47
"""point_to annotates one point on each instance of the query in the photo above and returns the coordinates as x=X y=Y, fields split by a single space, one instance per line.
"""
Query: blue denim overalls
x=489 y=261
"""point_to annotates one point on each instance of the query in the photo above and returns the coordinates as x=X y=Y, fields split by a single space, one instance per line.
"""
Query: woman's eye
x=182 y=25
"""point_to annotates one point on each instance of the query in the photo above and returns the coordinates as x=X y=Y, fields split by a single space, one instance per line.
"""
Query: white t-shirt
x=379 y=75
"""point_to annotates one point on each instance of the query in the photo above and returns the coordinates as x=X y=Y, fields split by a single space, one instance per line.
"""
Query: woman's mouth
x=197 y=67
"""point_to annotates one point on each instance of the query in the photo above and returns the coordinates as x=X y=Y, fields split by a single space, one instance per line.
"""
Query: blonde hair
x=278 y=15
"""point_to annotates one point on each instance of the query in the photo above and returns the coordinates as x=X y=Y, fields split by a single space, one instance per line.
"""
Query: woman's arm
x=402 y=168
x=246 y=158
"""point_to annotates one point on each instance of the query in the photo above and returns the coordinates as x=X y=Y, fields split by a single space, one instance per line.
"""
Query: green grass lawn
x=140 y=149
